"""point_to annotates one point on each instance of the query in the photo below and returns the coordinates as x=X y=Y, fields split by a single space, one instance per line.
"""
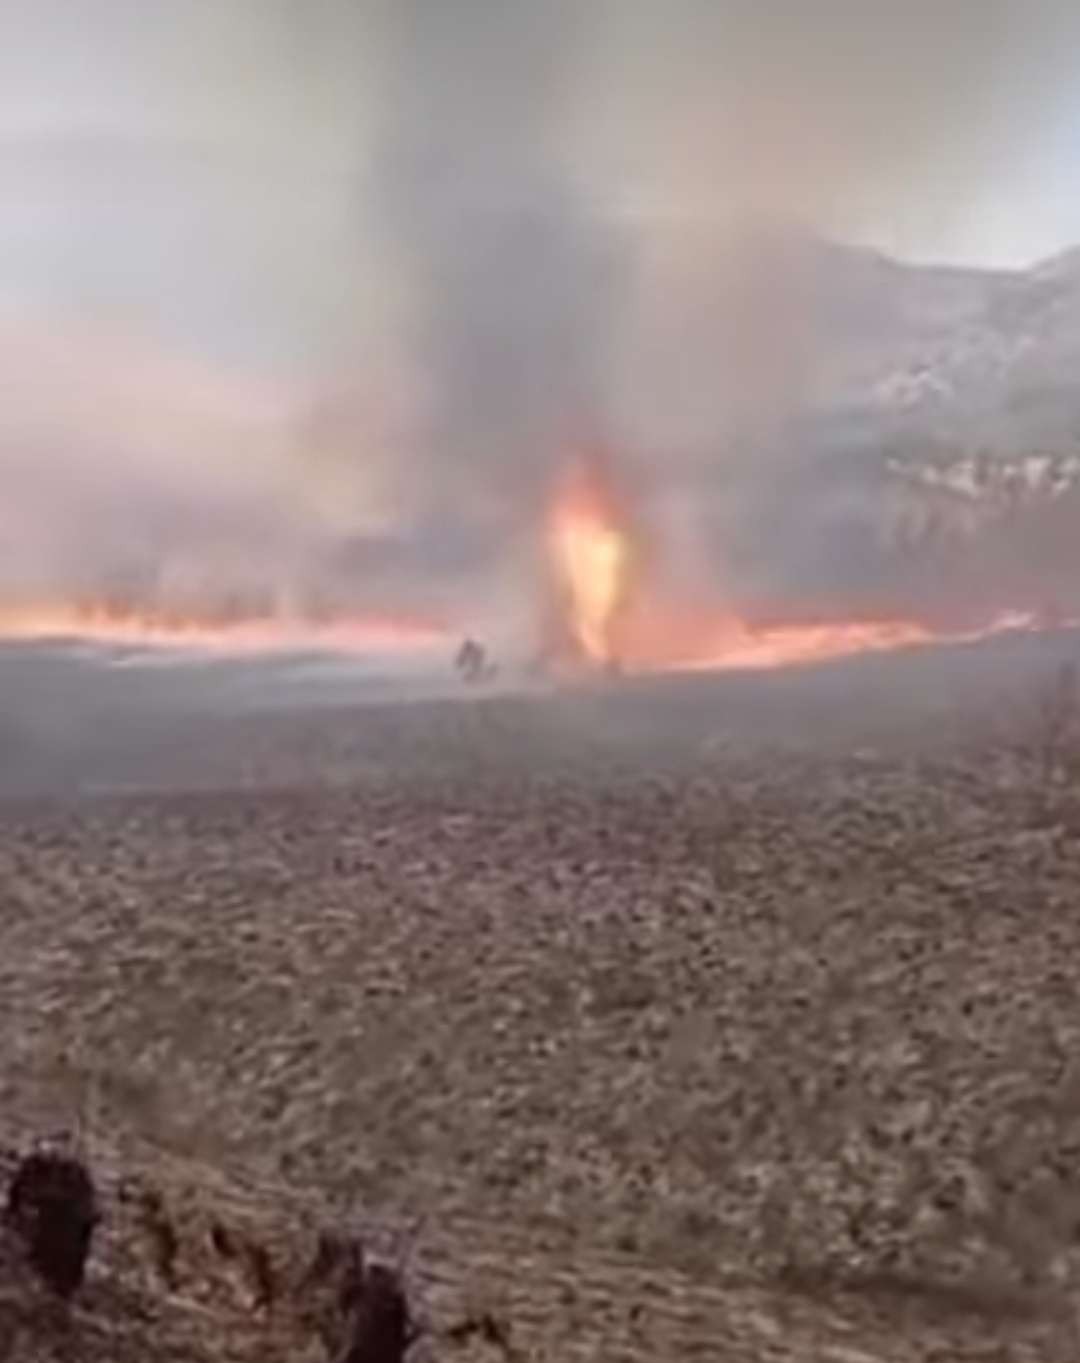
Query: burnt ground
x=716 y=1018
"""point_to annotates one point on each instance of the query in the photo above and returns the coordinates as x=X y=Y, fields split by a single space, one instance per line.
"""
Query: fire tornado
x=592 y=552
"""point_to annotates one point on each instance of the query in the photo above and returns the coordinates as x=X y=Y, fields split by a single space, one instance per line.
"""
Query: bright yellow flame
x=593 y=558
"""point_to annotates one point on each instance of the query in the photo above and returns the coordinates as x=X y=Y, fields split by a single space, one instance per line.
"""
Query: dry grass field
x=727 y=1019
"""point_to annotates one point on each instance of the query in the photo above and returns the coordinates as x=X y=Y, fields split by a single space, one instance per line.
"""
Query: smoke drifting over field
x=305 y=308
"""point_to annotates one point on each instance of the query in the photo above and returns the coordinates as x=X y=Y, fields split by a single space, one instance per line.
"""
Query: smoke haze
x=304 y=304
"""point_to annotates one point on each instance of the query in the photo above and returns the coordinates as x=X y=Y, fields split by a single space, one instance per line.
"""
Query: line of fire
x=602 y=610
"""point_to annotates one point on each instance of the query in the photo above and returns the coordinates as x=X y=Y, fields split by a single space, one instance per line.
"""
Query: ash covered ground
x=716 y=1016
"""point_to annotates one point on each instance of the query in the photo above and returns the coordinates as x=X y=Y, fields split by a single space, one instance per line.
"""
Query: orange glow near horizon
x=159 y=628
x=651 y=639
x=704 y=640
x=655 y=638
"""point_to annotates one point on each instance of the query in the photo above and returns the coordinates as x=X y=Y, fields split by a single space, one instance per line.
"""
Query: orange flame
x=614 y=616
x=705 y=639
x=101 y=623
x=727 y=644
x=592 y=553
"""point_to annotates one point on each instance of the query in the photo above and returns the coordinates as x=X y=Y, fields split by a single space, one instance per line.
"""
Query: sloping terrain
x=173 y=1278
x=750 y=1053
x=982 y=358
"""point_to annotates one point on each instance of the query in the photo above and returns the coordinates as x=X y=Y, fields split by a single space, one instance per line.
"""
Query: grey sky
x=202 y=164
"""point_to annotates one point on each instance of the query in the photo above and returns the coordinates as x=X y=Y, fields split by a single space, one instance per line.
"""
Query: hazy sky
x=443 y=209
x=208 y=161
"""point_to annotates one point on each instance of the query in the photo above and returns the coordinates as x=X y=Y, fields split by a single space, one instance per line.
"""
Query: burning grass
x=97 y=621
x=602 y=606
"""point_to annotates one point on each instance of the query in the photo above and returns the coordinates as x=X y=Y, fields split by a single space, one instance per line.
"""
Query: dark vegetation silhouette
x=369 y=1317
x=381 y=1329
x=473 y=664
x=483 y=1327
x=52 y=1207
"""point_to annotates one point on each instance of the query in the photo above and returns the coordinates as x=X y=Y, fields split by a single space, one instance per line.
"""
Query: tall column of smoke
x=514 y=280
